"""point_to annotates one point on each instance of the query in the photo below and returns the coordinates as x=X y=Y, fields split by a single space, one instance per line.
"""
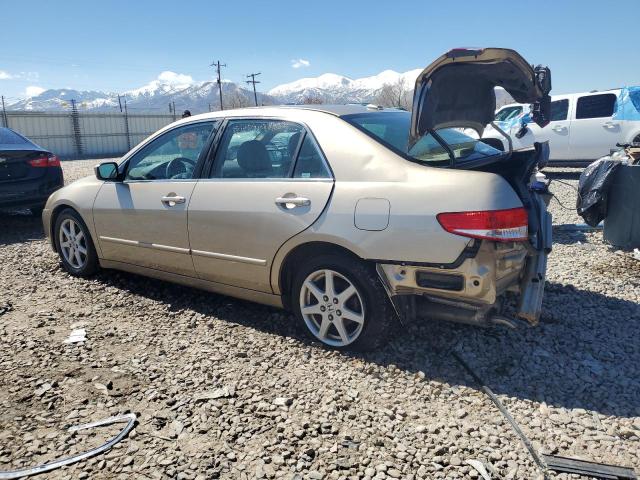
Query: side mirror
x=107 y=171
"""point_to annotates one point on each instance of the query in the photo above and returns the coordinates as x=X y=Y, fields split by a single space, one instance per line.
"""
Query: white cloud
x=33 y=91
x=300 y=62
x=5 y=75
x=173 y=78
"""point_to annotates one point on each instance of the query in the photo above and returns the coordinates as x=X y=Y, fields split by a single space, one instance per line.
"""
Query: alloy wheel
x=332 y=308
x=73 y=243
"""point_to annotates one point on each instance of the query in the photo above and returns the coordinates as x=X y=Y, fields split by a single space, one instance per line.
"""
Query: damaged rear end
x=507 y=249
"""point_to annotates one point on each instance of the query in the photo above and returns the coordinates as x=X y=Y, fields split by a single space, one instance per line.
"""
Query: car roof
x=336 y=110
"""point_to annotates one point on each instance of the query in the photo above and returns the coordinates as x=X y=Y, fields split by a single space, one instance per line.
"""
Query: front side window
x=596 y=106
x=392 y=130
x=259 y=149
x=559 y=110
x=173 y=155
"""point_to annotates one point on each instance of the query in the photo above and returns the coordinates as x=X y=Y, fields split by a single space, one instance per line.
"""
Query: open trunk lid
x=457 y=90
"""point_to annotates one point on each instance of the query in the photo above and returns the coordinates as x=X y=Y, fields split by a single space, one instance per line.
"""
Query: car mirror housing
x=107 y=171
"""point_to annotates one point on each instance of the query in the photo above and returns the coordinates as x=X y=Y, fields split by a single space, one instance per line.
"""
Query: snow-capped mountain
x=181 y=90
x=332 y=88
x=155 y=96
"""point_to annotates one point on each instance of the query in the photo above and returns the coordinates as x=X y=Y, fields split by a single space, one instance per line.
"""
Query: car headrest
x=253 y=158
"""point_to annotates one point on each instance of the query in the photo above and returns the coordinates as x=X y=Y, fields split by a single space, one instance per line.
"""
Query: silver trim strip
x=186 y=251
x=232 y=258
x=155 y=246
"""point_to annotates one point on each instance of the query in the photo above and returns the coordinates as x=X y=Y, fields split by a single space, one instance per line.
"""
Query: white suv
x=583 y=127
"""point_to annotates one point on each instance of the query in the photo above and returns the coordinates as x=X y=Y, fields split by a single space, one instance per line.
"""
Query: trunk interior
x=517 y=169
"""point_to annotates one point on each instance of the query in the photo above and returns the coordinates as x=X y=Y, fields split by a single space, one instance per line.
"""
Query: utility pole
x=120 y=103
x=126 y=124
x=254 y=81
x=4 y=114
x=218 y=65
x=174 y=110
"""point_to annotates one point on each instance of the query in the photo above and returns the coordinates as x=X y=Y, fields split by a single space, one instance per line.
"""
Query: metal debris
x=130 y=418
x=5 y=307
x=77 y=336
x=479 y=466
x=588 y=469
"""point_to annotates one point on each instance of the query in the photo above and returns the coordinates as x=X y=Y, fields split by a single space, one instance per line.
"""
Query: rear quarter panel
x=416 y=194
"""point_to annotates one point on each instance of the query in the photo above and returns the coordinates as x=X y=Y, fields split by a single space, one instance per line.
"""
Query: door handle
x=609 y=125
x=172 y=199
x=293 y=202
x=557 y=128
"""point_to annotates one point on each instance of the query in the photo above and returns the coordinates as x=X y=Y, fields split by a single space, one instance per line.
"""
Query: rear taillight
x=45 y=161
x=498 y=225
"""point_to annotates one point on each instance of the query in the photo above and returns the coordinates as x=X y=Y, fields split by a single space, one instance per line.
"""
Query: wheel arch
x=55 y=212
x=297 y=254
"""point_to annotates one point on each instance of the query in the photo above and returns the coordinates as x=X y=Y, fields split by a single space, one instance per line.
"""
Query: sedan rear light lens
x=45 y=161
x=498 y=225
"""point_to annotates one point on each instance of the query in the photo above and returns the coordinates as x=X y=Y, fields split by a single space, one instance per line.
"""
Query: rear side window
x=595 y=106
x=9 y=137
x=310 y=163
x=559 y=110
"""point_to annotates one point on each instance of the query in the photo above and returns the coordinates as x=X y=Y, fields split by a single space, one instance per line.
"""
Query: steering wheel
x=179 y=165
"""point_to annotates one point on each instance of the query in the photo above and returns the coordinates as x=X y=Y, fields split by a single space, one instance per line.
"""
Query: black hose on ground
x=505 y=413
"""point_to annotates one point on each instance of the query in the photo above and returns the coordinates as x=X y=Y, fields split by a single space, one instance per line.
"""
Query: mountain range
x=161 y=95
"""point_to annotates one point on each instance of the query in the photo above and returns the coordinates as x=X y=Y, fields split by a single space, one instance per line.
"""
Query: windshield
x=508 y=113
x=392 y=130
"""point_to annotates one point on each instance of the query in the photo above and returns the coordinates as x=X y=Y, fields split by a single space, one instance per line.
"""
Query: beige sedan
x=354 y=217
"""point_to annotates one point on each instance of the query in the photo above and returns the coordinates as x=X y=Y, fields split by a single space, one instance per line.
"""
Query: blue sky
x=119 y=45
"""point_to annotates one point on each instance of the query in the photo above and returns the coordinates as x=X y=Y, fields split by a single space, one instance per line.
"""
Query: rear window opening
x=441 y=148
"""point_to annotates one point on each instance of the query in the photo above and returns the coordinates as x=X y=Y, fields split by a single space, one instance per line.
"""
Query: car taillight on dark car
x=498 y=225
x=45 y=161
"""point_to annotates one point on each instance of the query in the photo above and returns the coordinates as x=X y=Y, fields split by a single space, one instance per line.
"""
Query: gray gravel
x=229 y=389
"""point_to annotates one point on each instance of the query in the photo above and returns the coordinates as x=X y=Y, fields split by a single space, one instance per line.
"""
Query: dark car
x=28 y=172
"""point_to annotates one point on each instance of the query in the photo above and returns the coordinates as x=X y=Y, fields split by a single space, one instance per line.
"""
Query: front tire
x=74 y=244
x=342 y=303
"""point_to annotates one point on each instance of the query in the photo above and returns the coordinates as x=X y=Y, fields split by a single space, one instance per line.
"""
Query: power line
x=254 y=81
x=218 y=65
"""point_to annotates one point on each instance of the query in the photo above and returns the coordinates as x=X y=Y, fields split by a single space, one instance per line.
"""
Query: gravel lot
x=229 y=389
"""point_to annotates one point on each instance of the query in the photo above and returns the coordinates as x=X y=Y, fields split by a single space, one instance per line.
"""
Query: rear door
x=142 y=220
x=557 y=131
x=593 y=131
x=268 y=182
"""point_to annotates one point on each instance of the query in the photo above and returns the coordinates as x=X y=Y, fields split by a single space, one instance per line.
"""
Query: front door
x=557 y=131
x=268 y=182
x=142 y=220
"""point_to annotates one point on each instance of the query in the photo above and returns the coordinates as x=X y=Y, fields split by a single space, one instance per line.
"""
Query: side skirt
x=220 y=288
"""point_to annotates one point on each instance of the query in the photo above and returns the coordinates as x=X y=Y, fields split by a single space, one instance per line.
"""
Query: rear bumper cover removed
x=472 y=291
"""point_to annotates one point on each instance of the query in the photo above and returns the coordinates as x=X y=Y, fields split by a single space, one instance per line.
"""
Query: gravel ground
x=229 y=389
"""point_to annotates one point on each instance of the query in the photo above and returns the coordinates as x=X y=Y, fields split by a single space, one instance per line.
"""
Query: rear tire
x=341 y=302
x=74 y=244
